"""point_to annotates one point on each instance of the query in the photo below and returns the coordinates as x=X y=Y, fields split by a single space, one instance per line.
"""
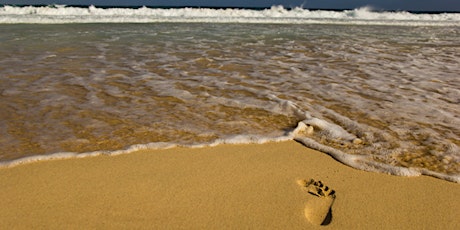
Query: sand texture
x=224 y=187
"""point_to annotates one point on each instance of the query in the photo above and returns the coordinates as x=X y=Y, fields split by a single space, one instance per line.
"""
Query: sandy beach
x=251 y=186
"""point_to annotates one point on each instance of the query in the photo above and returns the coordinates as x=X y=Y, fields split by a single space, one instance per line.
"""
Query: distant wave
x=276 y=14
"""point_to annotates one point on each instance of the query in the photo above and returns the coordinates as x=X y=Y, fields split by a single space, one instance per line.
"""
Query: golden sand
x=225 y=187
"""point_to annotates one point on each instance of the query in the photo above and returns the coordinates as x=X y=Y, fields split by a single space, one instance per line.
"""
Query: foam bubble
x=329 y=129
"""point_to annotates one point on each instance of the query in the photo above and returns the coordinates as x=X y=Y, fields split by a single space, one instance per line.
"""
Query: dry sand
x=224 y=187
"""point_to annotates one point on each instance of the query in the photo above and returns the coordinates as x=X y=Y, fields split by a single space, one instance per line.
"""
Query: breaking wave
x=57 y=14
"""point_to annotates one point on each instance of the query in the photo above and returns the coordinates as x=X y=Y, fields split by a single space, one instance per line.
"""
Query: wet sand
x=252 y=186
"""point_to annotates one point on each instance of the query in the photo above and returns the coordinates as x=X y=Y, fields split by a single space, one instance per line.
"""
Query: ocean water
x=379 y=91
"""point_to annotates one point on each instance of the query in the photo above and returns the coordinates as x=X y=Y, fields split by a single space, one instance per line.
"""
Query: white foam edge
x=365 y=162
x=361 y=162
x=238 y=139
x=74 y=155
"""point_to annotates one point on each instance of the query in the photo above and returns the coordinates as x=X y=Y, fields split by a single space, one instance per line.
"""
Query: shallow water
x=88 y=87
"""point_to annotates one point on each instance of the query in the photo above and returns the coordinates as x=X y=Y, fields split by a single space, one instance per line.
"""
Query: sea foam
x=363 y=162
x=276 y=14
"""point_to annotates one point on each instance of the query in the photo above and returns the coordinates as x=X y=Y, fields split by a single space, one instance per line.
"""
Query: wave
x=59 y=14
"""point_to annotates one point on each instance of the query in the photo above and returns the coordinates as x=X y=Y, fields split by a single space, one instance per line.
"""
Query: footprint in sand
x=320 y=199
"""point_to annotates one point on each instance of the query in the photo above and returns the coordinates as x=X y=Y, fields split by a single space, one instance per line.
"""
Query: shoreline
x=225 y=187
